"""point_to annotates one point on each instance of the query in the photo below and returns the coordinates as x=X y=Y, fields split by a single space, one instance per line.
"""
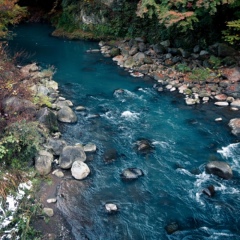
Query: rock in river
x=235 y=125
x=71 y=154
x=220 y=169
x=66 y=115
x=144 y=146
x=111 y=207
x=209 y=191
x=80 y=170
x=131 y=174
x=172 y=227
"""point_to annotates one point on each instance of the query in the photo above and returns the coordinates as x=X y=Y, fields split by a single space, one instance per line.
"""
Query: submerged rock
x=172 y=227
x=110 y=155
x=220 y=169
x=209 y=191
x=80 y=170
x=144 y=146
x=131 y=174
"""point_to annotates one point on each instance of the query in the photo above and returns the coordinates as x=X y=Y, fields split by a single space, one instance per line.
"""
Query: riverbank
x=202 y=75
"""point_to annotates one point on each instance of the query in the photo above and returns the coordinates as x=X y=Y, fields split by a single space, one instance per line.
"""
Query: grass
x=9 y=182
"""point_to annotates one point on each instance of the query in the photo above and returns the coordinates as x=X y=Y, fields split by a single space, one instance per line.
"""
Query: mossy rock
x=114 y=52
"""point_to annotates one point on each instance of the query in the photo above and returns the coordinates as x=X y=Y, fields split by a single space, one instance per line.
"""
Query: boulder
x=58 y=173
x=110 y=155
x=48 y=118
x=111 y=208
x=220 y=169
x=142 y=47
x=172 y=227
x=224 y=50
x=114 y=52
x=71 y=154
x=139 y=57
x=66 y=115
x=26 y=70
x=131 y=174
x=209 y=191
x=52 y=84
x=48 y=211
x=221 y=104
x=133 y=50
x=129 y=63
x=236 y=103
x=221 y=97
x=159 y=48
x=144 y=146
x=63 y=103
x=56 y=145
x=43 y=162
x=80 y=108
x=80 y=170
x=235 y=125
x=90 y=148
x=51 y=200
x=13 y=105
x=42 y=91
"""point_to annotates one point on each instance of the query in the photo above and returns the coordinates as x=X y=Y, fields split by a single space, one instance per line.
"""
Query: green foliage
x=181 y=13
x=232 y=34
x=27 y=211
x=42 y=100
x=215 y=62
x=10 y=13
x=19 y=144
x=66 y=19
x=183 y=67
x=200 y=74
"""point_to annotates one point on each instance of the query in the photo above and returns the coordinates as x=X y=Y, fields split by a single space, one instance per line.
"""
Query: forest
x=198 y=21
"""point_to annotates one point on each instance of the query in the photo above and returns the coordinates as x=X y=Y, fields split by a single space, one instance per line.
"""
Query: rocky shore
x=202 y=75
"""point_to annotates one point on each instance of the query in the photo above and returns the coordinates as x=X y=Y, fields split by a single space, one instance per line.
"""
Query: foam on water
x=131 y=116
x=231 y=152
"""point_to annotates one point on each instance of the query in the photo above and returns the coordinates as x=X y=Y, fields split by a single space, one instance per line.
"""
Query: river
x=185 y=138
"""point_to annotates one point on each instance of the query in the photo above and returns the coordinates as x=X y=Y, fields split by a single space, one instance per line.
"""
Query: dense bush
x=10 y=13
x=19 y=144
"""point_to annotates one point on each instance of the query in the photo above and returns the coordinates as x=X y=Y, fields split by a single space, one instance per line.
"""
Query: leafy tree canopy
x=10 y=13
x=182 y=13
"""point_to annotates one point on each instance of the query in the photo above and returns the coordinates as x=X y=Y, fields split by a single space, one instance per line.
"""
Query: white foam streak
x=162 y=144
x=130 y=115
x=232 y=151
x=201 y=178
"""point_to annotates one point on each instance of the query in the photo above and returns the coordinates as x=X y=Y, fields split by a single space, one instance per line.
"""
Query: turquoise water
x=185 y=138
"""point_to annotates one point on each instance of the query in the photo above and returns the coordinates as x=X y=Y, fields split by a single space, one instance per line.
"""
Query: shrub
x=183 y=67
x=200 y=74
x=19 y=144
